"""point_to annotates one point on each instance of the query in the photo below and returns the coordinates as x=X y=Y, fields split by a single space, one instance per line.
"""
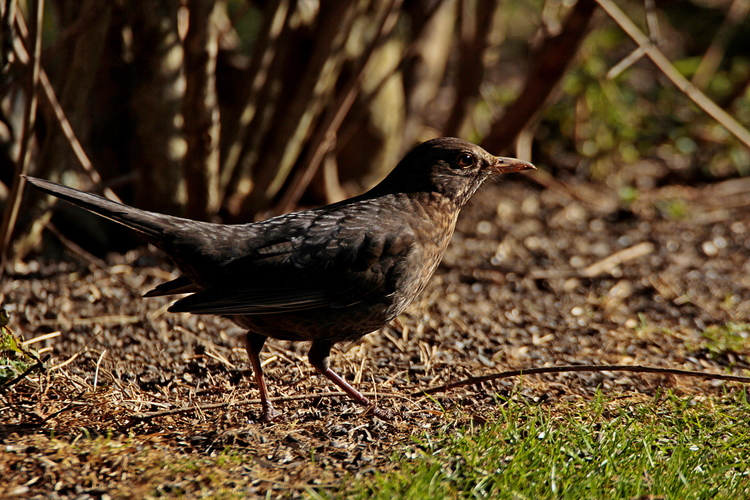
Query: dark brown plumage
x=326 y=275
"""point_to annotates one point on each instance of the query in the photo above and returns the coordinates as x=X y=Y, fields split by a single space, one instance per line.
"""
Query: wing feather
x=336 y=266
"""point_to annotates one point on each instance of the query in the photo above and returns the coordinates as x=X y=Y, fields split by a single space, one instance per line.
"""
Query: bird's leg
x=318 y=357
x=253 y=344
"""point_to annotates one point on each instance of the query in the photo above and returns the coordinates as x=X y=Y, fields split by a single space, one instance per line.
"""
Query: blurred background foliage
x=233 y=110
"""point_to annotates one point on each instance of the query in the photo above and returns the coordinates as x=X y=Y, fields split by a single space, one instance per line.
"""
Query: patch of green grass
x=673 y=208
x=731 y=338
x=671 y=448
x=14 y=359
x=628 y=195
x=123 y=467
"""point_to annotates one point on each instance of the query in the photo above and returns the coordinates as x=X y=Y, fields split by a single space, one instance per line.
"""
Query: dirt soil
x=540 y=273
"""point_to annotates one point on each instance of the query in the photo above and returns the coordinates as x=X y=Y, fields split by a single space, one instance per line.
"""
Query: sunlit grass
x=666 y=448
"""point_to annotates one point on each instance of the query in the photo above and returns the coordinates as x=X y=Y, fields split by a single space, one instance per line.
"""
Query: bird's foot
x=271 y=414
x=381 y=413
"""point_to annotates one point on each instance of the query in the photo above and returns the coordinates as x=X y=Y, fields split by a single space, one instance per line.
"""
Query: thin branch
x=36 y=14
x=715 y=53
x=581 y=368
x=7 y=35
x=316 y=86
x=75 y=248
x=627 y=62
x=476 y=26
x=50 y=99
x=261 y=62
x=547 y=68
x=201 y=111
x=666 y=67
x=408 y=54
x=652 y=21
x=461 y=383
x=321 y=143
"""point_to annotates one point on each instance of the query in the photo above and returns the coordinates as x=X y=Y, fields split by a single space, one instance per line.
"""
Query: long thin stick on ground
x=581 y=368
x=461 y=383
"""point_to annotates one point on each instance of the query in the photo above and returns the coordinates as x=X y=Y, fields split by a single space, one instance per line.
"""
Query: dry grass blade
x=40 y=338
x=98 y=366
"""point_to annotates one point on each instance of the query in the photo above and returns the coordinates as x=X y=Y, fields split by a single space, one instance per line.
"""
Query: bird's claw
x=381 y=413
x=271 y=414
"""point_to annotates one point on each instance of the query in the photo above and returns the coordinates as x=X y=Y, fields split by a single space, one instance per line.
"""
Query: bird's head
x=452 y=167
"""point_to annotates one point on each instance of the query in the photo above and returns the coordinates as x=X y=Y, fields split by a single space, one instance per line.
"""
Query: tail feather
x=149 y=224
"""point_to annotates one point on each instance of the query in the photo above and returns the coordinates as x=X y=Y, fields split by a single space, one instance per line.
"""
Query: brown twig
x=580 y=368
x=51 y=100
x=666 y=67
x=322 y=140
x=610 y=262
x=201 y=111
x=36 y=14
x=75 y=248
x=453 y=385
x=547 y=68
x=713 y=56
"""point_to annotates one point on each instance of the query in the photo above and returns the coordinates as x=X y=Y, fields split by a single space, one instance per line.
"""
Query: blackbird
x=326 y=275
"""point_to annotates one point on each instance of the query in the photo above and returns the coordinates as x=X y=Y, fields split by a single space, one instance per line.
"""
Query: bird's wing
x=327 y=265
x=248 y=301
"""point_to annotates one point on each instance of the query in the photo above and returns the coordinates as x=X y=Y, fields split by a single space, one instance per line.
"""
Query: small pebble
x=709 y=248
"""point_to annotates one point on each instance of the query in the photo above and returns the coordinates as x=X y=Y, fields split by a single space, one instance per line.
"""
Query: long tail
x=151 y=225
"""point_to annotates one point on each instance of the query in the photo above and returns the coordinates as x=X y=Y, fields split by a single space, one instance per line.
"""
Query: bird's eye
x=465 y=160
